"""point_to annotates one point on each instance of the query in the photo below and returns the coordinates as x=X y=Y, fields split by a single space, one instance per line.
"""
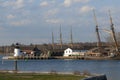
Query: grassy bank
x=31 y=76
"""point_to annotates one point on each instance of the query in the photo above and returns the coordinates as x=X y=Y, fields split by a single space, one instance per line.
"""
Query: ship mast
x=52 y=40
x=97 y=32
x=71 y=38
x=113 y=32
x=61 y=43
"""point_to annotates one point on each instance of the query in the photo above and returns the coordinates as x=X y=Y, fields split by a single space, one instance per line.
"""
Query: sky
x=33 y=21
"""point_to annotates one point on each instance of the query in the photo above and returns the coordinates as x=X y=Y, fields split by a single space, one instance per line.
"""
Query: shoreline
x=60 y=57
x=33 y=73
x=87 y=74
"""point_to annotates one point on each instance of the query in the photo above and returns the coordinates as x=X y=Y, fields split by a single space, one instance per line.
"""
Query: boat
x=100 y=53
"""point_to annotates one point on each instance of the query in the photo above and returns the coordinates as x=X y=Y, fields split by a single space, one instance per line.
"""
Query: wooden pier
x=41 y=58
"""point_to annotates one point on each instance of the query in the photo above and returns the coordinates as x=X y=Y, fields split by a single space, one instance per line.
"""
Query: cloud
x=1 y=28
x=52 y=12
x=54 y=21
x=19 y=3
x=44 y=4
x=20 y=23
x=68 y=3
x=81 y=1
x=14 y=4
x=10 y=16
x=85 y=9
x=30 y=1
x=7 y=3
x=50 y=16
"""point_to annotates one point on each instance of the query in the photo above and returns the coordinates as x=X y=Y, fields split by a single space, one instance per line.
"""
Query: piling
x=16 y=66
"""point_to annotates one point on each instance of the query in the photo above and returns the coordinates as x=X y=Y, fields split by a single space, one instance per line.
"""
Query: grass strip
x=32 y=76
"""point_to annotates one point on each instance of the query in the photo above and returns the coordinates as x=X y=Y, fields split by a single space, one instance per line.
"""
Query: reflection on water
x=109 y=67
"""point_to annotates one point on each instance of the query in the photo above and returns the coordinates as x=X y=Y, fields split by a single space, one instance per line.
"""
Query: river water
x=109 y=67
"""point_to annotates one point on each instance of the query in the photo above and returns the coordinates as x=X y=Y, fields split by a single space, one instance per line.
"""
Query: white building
x=17 y=51
x=69 y=52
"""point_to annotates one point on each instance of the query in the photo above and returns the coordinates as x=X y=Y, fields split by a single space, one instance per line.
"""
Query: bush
x=53 y=72
x=85 y=72
x=76 y=73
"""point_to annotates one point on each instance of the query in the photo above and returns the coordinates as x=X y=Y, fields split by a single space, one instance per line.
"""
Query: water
x=109 y=67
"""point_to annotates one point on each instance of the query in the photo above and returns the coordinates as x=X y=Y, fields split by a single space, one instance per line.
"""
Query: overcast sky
x=32 y=21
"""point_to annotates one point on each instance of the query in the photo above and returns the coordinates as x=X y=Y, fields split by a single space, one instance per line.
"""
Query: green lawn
x=29 y=76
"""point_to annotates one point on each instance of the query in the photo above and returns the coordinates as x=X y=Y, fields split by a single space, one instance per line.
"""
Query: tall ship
x=101 y=52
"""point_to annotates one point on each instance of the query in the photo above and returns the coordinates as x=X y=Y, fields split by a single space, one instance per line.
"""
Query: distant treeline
x=53 y=47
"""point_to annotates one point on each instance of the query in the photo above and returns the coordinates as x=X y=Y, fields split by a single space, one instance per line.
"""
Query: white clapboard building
x=69 y=52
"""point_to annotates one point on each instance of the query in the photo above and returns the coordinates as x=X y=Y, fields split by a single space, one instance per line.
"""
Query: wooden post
x=15 y=65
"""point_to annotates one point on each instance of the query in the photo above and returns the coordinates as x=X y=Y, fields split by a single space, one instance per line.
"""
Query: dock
x=41 y=58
